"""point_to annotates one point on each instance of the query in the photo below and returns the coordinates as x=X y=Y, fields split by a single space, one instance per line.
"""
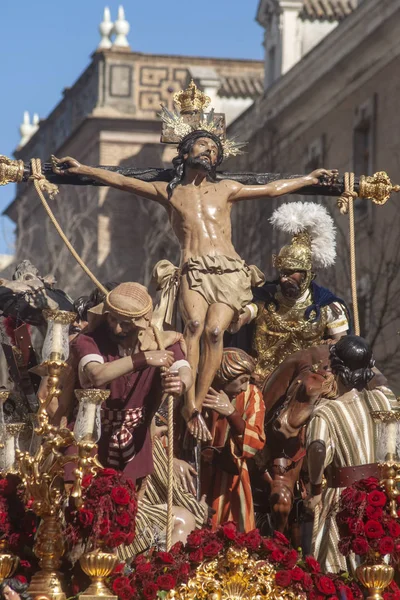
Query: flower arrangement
x=17 y=525
x=365 y=524
x=153 y=575
x=107 y=516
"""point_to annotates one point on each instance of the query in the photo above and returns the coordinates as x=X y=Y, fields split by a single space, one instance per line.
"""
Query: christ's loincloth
x=219 y=279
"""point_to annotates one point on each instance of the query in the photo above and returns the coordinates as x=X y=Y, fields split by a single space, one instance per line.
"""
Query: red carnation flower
x=370 y=483
x=119 y=568
x=176 y=548
x=184 y=570
x=194 y=539
x=308 y=583
x=120 y=583
x=394 y=528
x=229 y=530
x=325 y=585
x=120 y=495
x=166 y=557
x=143 y=569
x=124 y=519
x=116 y=539
x=108 y=472
x=129 y=537
x=150 y=591
x=377 y=498
x=283 y=578
x=374 y=512
x=126 y=593
x=356 y=526
x=290 y=559
x=85 y=517
x=277 y=555
x=386 y=545
x=373 y=529
x=253 y=540
x=241 y=539
x=359 y=497
x=21 y=578
x=212 y=549
x=166 y=582
x=313 y=564
x=138 y=560
x=345 y=592
x=360 y=546
x=333 y=598
x=268 y=545
x=104 y=527
x=281 y=538
x=196 y=556
x=297 y=574
x=347 y=496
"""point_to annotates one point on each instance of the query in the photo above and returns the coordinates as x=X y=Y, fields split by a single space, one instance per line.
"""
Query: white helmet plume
x=296 y=217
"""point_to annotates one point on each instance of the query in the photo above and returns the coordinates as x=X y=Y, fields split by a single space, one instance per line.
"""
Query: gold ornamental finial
x=11 y=171
x=378 y=187
x=191 y=100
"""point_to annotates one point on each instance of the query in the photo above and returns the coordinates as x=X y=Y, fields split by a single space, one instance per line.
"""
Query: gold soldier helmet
x=313 y=243
x=296 y=256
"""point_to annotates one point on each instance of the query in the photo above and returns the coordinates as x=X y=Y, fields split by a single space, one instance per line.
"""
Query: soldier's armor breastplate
x=281 y=331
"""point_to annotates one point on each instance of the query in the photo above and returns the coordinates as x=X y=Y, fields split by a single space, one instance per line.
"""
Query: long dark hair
x=351 y=359
x=17 y=586
x=185 y=147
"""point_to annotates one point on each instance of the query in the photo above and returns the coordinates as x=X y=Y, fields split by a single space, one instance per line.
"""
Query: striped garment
x=230 y=495
x=121 y=423
x=349 y=433
x=151 y=520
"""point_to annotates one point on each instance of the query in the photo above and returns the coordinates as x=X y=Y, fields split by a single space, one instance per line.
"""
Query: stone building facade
x=336 y=107
x=109 y=117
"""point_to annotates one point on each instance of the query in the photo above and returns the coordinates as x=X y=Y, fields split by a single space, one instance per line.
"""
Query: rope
x=42 y=185
x=346 y=204
x=170 y=475
x=170 y=517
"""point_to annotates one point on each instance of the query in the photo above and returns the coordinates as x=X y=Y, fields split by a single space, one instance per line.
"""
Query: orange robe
x=230 y=495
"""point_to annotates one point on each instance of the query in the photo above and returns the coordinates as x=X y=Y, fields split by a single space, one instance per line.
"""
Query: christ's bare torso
x=200 y=217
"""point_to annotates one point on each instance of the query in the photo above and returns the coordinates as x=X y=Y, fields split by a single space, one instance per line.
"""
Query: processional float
x=41 y=470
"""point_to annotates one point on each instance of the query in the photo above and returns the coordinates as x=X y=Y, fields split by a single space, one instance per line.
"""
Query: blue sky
x=46 y=45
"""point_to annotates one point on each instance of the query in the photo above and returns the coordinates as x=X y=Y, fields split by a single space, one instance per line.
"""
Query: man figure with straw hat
x=123 y=352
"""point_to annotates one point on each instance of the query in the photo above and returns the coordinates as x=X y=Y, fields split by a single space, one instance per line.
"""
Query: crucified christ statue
x=215 y=283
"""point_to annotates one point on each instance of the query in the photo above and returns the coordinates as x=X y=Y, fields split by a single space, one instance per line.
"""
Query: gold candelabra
x=42 y=472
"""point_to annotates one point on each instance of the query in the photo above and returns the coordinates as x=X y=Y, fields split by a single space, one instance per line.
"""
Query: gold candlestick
x=42 y=472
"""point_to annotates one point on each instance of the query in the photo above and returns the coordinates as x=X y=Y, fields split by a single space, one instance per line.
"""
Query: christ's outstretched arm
x=152 y=191
x=279 y=188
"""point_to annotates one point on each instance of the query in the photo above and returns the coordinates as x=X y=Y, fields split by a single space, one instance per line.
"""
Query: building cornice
x=321 y=61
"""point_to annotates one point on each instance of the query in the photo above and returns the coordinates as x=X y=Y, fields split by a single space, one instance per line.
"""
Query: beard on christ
x=201 y=162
